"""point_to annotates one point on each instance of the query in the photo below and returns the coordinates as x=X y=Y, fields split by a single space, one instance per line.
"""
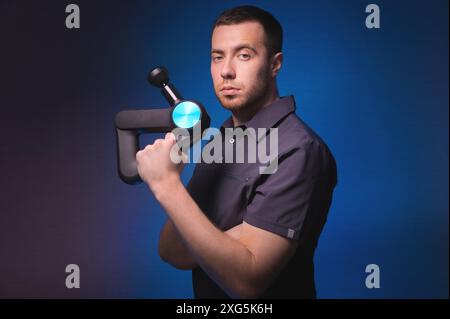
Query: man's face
x=240 y=66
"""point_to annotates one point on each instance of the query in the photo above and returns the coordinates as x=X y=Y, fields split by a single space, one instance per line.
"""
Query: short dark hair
x=271 y=26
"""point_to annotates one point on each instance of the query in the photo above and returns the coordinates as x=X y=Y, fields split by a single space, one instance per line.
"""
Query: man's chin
x=231 y=102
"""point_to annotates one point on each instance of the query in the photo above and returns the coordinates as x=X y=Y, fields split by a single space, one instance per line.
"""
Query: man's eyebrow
x=236 y=49
x=216 y=51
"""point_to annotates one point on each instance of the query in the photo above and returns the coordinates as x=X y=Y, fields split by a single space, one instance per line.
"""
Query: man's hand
x=160 y=164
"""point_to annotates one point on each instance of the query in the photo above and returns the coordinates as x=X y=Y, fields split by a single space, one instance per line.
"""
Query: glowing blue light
x=186 y=114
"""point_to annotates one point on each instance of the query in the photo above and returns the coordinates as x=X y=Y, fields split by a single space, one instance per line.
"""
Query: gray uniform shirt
x=293 y=202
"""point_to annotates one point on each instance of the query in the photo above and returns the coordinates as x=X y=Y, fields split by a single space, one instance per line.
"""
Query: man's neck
x=246 y=114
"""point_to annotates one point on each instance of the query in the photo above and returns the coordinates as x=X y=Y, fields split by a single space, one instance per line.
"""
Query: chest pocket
x=221 y=193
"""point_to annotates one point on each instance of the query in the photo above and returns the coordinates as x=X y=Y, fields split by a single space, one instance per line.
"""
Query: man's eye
x=244 y=56
x=216 y=58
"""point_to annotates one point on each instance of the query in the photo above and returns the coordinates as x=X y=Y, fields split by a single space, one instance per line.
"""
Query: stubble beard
x=252 y=98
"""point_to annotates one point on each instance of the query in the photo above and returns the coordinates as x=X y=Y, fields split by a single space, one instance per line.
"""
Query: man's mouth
x=229 y=90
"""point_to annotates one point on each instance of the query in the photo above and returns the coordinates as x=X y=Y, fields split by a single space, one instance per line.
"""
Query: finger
x=157 y=142
x=170 y=136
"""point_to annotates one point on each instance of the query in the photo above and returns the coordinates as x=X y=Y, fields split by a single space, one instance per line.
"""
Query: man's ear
x=277 y=60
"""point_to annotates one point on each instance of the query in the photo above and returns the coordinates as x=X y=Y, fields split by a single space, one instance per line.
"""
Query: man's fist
x=161 y=162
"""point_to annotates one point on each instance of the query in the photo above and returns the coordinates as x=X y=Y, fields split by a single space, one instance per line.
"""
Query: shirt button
x=231 y=140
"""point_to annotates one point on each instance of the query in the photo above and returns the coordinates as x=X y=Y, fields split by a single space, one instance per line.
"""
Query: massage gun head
x=185 y=114
x=158 y=77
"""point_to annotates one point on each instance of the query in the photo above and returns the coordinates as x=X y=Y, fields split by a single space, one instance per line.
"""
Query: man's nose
x=228 y=71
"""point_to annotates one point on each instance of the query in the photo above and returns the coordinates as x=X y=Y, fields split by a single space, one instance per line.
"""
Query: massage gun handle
x=127 y=147
x=129 y=125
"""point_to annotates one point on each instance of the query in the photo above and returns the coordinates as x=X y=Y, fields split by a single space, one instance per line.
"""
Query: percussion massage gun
x=185 y=114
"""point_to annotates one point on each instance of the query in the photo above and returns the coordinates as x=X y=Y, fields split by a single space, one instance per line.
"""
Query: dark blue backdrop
x=379 y=98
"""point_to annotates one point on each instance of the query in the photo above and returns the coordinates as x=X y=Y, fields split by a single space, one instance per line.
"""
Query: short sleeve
x=280 y=202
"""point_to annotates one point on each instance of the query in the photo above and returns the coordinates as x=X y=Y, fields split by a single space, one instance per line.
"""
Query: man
x=246 y=234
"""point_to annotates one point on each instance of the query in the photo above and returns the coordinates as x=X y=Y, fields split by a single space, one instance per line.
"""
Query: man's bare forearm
x=173 y=250
x=225 y=259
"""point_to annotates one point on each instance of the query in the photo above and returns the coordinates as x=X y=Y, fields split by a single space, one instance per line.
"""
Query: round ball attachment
x=186 y=114
x=158 y=76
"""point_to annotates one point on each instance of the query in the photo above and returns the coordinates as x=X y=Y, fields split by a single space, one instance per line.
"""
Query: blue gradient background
x=379 y=98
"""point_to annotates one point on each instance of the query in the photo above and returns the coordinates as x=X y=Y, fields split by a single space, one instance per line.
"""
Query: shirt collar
x=268 y=116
